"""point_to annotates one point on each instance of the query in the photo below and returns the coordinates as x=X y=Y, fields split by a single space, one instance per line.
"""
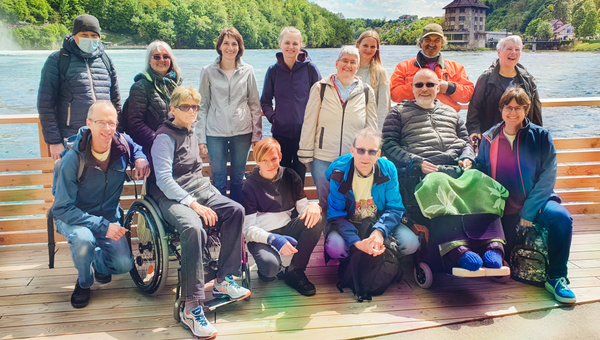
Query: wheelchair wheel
x=148 y=247
x=423 y=275
x=246 y=276
x=178 y=308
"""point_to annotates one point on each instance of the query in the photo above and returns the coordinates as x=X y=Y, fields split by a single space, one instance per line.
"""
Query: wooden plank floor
x=34 y=301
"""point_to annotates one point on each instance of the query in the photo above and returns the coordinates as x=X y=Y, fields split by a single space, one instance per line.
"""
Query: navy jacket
x=342 y=204
x=291 y=89
x=94 y=202
x=63 y=106
x=535 y=158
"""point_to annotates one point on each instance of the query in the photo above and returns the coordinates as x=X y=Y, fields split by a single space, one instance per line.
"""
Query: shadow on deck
x=34 y=300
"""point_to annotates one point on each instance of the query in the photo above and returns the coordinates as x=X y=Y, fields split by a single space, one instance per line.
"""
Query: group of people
x=332 y=125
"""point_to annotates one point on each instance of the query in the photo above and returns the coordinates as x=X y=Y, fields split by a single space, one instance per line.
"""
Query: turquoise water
x=559 y=75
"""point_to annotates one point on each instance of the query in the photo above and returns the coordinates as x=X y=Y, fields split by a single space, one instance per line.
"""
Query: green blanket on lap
x=472 y=193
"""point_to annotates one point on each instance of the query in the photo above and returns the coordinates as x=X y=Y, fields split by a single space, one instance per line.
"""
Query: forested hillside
x=182 y=23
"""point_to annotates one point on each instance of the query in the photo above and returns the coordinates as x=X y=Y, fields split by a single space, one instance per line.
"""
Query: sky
x=378 y=9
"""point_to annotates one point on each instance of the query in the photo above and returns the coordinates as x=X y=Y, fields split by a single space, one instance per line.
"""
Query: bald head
x=425 y=87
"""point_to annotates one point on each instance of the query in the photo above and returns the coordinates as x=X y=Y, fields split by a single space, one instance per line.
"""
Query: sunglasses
x=186 y=108
x=164 y=57
x=362 y=151
x=420 y=85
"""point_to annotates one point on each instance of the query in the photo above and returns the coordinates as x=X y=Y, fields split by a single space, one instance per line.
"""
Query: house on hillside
x=561 y=30
x=465 y=23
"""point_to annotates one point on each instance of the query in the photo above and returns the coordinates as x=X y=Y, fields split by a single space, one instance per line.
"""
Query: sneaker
x=197 y=324
x=562 y=292
x=230 y=289
x=80 y=297
x=297 y=279
x=101 y=278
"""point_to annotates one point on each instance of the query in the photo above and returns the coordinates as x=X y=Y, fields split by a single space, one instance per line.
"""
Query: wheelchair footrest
x=461 y=272
x=213 y=304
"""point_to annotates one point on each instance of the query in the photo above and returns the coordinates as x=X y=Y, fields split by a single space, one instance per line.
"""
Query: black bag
x=529 y=257
x=367 y=275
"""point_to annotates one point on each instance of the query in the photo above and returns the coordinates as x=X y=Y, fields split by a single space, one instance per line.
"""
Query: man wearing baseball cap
x=455 y=86
x=72 y=80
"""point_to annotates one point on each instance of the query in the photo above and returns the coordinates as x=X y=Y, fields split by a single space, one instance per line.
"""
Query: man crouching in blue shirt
x=364 y=188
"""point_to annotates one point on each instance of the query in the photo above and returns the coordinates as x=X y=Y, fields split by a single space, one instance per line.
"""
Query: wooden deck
x=34 y=301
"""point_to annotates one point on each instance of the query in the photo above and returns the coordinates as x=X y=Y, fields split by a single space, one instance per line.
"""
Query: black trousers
x=289 y=153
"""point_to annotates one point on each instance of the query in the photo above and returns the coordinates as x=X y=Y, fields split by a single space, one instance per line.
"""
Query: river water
x=558 y=74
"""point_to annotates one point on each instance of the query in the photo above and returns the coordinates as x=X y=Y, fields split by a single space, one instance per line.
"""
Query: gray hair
x=153 y=47
x=368 y=132
x=349 y=49
x=514 y=38
x=98 y=104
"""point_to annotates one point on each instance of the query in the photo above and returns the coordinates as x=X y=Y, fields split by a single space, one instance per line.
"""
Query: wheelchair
x=427 y=259
x=150 y=239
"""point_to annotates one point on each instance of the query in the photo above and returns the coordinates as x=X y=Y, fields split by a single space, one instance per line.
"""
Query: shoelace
x=563 y=283
x=199 y=316
x=232 y=282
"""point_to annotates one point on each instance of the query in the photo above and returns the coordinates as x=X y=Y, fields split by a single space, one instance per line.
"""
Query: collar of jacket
x=301 y=60
x=358 y=89
x=421 y=62
x=180 y=129
x=378 y=177
x=238 y=63
x=495 y=79
x=117 y=150
x=494 y=131
x=255 y=176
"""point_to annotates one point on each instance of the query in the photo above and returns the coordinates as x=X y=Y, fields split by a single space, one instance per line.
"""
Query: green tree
x=544 y=30
x=585 y=19
x=532 y=27
x=563 y=10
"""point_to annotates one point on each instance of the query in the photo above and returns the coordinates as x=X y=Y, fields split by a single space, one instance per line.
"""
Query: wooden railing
x=25 y=184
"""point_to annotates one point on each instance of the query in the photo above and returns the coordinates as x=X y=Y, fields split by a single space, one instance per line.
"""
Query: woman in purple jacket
x=289 y=81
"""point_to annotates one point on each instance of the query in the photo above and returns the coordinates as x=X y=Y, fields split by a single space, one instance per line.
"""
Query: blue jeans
x=408 y=242
x=559 y=222
x=110 y=257
x=317 y=170
x=218 y=150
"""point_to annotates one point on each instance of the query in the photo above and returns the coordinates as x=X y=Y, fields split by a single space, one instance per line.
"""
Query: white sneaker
x=196 y=322
x=229 y=288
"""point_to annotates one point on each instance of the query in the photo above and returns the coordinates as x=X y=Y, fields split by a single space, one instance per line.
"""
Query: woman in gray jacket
x=229 y=119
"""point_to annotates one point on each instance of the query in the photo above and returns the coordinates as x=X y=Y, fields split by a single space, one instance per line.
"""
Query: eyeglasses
x=102 y=124
x=164 y=57
x=420 y=85
x=362 y=151
x=517 y=109
x=186 y=108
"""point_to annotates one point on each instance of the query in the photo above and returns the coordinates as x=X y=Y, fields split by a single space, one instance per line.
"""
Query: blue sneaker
x=561 y=291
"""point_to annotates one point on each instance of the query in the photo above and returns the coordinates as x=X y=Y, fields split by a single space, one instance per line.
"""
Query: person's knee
x=122 y=263
x=335 y=246
x=83 y=241
x=269 y=267
x=408 y=242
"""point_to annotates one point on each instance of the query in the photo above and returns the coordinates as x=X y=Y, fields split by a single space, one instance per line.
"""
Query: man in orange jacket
x=455 y=86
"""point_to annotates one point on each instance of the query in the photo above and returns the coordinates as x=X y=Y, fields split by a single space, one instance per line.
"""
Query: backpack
x=529 y=257
x=81 y=169
x=367 y=275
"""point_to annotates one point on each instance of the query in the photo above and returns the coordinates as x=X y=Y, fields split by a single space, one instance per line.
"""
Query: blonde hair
x=183 y=93
x=291 y=30
x=376 y=71
x=264 y=146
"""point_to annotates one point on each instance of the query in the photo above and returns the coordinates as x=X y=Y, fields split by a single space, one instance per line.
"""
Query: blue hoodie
x=94 y=202
x=342 y=204
x=291 y=89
